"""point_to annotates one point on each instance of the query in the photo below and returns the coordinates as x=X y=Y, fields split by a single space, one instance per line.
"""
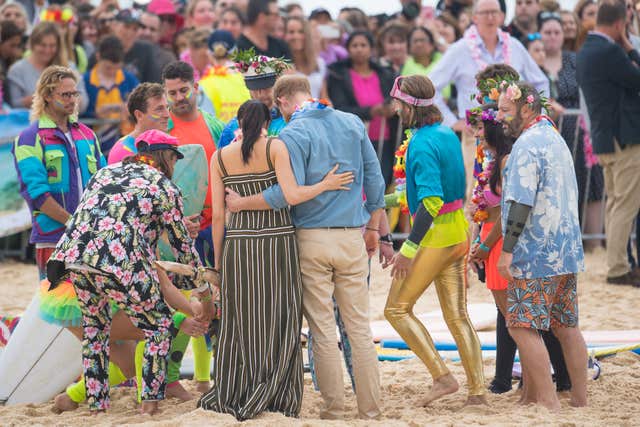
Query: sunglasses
x=534 y=36
x=543 y=16
x=69 y=95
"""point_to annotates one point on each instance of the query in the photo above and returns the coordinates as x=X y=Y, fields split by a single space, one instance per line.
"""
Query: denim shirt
x=317 y=140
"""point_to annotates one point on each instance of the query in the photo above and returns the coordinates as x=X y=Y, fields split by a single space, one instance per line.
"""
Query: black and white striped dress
x=258 y=366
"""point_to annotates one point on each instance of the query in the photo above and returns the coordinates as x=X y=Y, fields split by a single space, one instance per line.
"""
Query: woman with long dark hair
x=259 y=357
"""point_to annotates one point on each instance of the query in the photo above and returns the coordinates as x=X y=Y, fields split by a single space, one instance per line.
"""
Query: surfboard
x=191 y=176
x=483 y=316
x=41 y=359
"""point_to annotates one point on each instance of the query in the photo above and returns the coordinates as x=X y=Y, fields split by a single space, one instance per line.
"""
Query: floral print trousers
x=147 y=310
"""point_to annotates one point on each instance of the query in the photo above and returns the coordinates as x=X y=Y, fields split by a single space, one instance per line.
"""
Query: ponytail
x=253 y=116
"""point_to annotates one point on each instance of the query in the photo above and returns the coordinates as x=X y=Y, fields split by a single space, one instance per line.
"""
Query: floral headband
x=489 y=89
x=513 y=93
x=247 y=61
x=411 y=100
x=476 y=114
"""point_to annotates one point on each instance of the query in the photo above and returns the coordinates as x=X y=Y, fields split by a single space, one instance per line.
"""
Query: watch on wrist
x=386 y=238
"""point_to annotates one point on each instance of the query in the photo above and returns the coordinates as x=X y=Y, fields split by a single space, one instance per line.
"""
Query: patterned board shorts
x=543 y=303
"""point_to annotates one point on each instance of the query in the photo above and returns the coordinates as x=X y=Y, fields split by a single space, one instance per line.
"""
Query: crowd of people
x=306 y=123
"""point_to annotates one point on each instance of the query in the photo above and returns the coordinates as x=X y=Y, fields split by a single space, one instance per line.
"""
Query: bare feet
x=442 y=386
x=149 y=407
x=552 y=404
x=203 y=386
x=63 y=403
x=578 y=402
x=177 y=390
x=476 y=400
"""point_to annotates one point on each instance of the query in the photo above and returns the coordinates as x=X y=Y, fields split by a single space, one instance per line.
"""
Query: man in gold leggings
x=438 y=242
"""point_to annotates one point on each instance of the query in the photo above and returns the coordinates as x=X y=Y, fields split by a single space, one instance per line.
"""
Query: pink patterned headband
x=398 y=94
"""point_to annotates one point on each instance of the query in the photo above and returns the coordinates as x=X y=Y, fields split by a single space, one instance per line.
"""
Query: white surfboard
x=39 y=361
x=483 y=316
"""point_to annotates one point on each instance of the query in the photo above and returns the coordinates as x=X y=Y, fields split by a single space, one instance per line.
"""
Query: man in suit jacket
x=610 y=82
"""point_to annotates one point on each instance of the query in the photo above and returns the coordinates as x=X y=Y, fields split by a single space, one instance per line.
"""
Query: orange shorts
x=494 y=281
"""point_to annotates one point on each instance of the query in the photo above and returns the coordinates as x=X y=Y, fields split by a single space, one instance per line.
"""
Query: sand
x=614 y=399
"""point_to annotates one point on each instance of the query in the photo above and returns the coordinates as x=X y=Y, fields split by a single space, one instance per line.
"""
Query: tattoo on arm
x=518 y=214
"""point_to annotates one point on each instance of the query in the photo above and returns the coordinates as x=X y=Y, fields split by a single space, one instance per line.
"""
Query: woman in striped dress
x=258 y=366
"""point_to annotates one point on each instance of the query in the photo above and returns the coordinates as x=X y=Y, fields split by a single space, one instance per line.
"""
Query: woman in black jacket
x=361 y=86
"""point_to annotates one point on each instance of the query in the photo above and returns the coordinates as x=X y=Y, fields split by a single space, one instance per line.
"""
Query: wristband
x=178 y=318
x=409 y=249
x=372 y=229
x=476 y=240
x=484 y=247
x=388 y=238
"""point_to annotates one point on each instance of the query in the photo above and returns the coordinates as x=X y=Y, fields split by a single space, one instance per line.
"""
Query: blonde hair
x=309 y=56
x=191 y=7
x=44 y=29
x=288 y=85
x=47 y=83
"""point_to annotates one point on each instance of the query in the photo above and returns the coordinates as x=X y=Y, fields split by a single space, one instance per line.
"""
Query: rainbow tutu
x=60 y=305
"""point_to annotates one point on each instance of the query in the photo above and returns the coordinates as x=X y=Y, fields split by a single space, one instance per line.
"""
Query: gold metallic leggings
x=445 y=266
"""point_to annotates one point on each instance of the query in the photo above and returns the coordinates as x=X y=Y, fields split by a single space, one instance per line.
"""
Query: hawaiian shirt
x=125 y=209
x=540 y=174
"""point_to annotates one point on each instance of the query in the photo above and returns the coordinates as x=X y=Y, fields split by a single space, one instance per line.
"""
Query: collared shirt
x=317 y=140
x=457 y=66
x=539 y=173
x=603 y=35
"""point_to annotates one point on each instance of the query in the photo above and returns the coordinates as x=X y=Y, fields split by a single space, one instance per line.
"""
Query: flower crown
x=513 y=93
x=489 y=89
x=474 y=115
x=247 y=61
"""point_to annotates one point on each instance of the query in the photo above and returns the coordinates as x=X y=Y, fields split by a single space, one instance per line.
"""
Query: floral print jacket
x=124 y=211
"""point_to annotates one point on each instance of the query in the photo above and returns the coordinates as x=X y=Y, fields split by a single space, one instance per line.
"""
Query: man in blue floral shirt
x=542 y=251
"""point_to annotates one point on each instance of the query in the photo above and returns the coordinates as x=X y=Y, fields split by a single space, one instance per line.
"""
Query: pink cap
x=165 y=7
x=152 y=140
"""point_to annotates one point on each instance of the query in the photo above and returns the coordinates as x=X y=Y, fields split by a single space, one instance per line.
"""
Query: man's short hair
x=139 y=97
x=289 y=85
x=110 y=49
x=494 y=71
x=255 y=8
x=178 y=70
x=9 y=30
x=610 y=12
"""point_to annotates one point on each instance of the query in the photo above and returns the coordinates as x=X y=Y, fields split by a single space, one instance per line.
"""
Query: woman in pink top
x=361 y=86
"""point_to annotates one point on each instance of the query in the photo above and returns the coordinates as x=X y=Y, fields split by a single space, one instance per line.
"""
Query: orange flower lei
x=400 y=172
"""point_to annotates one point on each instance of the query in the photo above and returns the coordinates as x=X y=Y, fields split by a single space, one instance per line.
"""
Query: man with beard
x=192 y=126
x=542 y=249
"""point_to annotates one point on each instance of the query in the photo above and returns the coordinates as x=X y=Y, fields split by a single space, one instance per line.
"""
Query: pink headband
x=398 y=94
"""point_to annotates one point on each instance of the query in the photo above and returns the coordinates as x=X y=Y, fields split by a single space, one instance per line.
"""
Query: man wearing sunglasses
x=55 y=158
x=483 y=44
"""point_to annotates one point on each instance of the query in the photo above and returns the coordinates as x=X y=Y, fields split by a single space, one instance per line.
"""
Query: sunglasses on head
x=534 y=36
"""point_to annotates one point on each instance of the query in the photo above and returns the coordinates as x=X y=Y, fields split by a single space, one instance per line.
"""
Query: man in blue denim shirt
x=333 y=255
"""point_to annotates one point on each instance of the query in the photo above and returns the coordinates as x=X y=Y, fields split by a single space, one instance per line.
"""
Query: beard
x=513 y=127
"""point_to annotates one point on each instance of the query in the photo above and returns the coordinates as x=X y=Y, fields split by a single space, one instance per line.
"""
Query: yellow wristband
x=409 y=249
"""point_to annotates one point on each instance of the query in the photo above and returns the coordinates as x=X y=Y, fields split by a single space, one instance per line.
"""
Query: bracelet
x=372 y=229
x=387 y=238
x=384 y=242
x=477 y=239
x=484 y=247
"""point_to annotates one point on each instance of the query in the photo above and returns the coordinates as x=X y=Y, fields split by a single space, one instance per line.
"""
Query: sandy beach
x=613 y=398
